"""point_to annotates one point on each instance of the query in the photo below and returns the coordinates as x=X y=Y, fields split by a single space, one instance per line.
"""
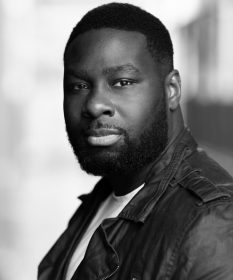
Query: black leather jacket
x=178 y=226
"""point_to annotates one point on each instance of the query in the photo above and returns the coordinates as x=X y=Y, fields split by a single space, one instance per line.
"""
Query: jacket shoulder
x=205 y=234
x=206 y=249
x=205 y=178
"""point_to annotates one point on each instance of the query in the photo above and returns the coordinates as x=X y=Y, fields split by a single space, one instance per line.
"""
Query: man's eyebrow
x=120 y=68
x=109 y=70
x=76 y=73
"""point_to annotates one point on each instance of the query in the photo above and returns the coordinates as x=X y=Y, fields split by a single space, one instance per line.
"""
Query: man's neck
x=123 y=184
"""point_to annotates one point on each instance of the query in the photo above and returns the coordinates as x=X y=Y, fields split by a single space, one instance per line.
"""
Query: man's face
x=114 y=102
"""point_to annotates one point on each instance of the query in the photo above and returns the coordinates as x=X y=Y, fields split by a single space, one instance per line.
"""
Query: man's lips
x=102 y=136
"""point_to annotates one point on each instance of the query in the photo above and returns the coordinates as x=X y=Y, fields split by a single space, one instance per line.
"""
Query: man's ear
x=173 y=89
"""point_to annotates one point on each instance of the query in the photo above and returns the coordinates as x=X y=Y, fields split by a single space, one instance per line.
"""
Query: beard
x=129 y=156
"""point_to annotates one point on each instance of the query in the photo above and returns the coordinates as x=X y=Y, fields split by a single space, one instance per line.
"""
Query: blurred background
x=39 y=176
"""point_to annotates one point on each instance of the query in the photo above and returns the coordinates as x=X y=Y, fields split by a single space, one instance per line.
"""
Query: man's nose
x=98 y=103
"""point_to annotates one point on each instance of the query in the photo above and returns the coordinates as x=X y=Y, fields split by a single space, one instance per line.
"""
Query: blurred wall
x=208 y=63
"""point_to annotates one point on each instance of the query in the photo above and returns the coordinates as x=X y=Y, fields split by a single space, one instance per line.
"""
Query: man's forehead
x=129 y=67
x=110 y=38
x=109 y=32
x=109 y=51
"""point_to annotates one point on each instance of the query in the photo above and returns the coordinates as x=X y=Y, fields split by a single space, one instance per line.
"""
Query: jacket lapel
x=54 y=264
x=101 y=260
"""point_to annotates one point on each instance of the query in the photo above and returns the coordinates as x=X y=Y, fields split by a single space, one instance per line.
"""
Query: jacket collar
x=157 y=181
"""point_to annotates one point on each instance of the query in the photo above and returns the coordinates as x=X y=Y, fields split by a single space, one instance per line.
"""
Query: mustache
x=99 y=125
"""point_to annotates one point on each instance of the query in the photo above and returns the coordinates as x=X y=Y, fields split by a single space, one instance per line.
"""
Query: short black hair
x=128 y=17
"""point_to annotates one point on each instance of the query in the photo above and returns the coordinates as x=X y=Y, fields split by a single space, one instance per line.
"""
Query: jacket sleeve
x=206 y=252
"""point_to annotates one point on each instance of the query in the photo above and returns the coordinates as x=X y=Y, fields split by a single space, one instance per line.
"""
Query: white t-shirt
x=110 y=208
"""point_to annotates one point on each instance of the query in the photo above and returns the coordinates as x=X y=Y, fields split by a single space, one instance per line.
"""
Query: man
x=163 y=209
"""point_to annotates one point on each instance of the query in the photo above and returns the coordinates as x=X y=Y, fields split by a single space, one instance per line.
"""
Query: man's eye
x=123 y=83
x=80 y=86
x=76 y=86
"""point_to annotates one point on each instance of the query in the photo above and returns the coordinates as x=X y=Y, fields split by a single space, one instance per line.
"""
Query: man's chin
x=101 y=164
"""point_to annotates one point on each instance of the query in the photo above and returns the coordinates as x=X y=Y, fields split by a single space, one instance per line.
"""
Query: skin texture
x=113 y=87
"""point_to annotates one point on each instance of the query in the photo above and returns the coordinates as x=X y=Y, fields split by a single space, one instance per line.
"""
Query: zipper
x=114 y=271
